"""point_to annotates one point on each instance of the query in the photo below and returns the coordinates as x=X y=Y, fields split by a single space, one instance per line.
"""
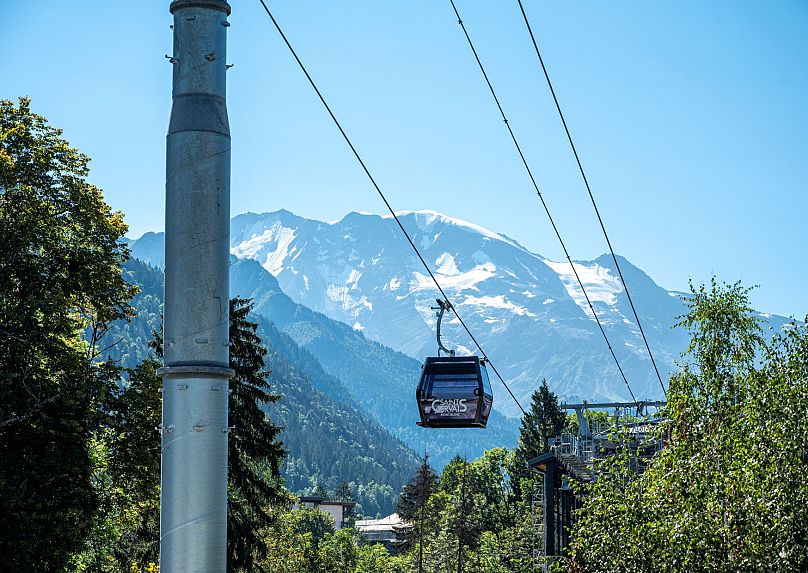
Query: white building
x=336 y=509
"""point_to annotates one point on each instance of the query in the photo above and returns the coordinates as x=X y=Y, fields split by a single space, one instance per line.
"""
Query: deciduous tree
x=728 y=492
x=60 y=287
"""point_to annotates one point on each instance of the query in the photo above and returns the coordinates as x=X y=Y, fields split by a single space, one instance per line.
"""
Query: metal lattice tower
x=537 y=524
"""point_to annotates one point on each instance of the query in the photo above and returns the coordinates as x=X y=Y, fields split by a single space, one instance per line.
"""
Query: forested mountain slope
x=342 y=363
x=382 y=381
x=327 y=437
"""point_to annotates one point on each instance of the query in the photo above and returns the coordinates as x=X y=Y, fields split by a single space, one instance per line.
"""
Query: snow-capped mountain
x=527 y=312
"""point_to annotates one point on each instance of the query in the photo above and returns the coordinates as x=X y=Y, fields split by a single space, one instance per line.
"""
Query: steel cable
x=541 y=197
x=386 y=202
x=591 y=196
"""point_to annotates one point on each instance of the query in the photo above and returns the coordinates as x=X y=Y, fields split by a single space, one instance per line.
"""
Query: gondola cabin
x=454 y=392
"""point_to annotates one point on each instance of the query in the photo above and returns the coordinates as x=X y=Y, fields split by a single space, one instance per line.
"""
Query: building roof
x=384 y=524
x=317 y=500
x=540 y=463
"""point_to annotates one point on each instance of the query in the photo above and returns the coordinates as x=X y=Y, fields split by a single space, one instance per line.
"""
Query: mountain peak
x=427 y=219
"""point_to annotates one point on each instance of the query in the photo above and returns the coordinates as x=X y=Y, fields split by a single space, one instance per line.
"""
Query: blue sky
x=690 y=117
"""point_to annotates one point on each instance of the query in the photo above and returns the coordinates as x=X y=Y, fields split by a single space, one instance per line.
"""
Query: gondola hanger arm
x=443 y=306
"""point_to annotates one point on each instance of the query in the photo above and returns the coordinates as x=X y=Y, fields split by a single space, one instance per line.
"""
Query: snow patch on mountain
x=251 y=247
x=353 y=278
x=497 y=302
x=351 y=306
x=460 y=281
x=277 y=236
x=446 y=265
x=600 y=284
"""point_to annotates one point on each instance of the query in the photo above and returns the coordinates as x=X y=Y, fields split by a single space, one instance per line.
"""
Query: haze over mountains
x=527 y=312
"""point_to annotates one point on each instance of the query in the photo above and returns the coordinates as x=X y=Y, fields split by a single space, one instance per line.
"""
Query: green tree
x=344 y=492
x=728 y=492
x=135 y=467
x=411 y=508
x=60 y=288
x=373 y=559
x=292 y=537
x=462 y=518
x=255 y=453
x=255 y=489
x=543 y=420
x=489 y=558
x=338 y=551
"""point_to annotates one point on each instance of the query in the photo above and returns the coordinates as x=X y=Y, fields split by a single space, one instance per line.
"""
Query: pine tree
x=411 y=507
x=135 y=463
x=344 y=492
x=255 y=453
x=542 y=421
x=320 y=491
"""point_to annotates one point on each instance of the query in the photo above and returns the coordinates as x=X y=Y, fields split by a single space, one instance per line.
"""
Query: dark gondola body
x=454 y=392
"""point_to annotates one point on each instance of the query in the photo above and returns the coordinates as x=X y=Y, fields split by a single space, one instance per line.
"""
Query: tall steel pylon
x=193 y=500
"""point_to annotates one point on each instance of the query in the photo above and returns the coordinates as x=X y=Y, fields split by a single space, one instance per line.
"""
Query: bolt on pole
x=193 y=498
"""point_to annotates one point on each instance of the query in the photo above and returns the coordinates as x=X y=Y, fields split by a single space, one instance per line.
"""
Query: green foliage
x=134 y=468
x=344 y=492
x=254 y=452
x=329 y=439
x=373 y=559
x=128 y=341
x=127 y=531
x=543 y=420
x=728 y=492
x=412 y=507
x=60 y=287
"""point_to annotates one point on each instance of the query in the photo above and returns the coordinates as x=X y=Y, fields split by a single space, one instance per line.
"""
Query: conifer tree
x=135 y=463
x=542 y=421
x=344 y=492
x=412 y=504
x=255 y=453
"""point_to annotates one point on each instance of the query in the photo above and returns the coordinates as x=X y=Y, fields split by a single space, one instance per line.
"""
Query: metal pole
x=193 y=500
x=549 y=511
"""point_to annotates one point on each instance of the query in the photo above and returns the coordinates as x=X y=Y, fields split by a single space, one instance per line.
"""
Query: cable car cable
x=589 y=190
x=381 y=194
x=541 y=198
